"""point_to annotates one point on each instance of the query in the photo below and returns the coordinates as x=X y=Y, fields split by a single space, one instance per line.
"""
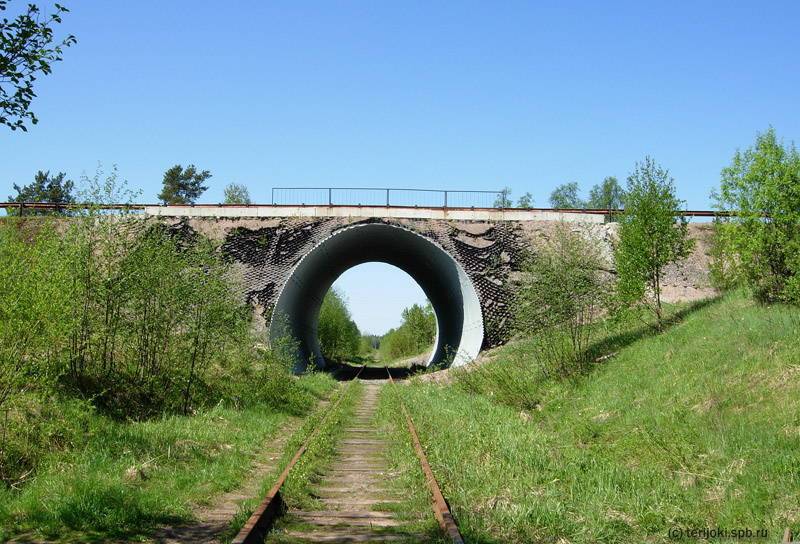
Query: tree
x=759 y=245
x=415 y=335
x=651 y=236
x=503 y=199
x=45 y=188
x=565 y=197
x=421 y=322
x=607 y=195
x=183 y=186
x=339 y=337
x=27 y=49
x=525 y=201
x=236 y=193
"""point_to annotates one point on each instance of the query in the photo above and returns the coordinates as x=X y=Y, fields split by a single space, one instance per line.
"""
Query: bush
x=122 y=310
x=562 y=291
x=759 y=246
x=139 y=318
x=108 y=315
x=34 y=306
x=265 y=376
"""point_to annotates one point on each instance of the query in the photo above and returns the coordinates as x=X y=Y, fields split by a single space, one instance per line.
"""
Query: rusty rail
x=260 y=521
x=440 y=507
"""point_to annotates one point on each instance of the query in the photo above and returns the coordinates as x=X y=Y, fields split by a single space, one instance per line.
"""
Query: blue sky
x=447 y=95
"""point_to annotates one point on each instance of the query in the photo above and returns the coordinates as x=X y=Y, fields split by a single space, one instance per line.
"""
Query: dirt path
x=353 y=490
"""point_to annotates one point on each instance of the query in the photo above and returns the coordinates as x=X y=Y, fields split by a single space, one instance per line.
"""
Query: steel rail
x=260 y=521
x=440 y=507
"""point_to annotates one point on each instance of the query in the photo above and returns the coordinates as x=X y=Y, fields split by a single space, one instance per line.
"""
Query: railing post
x=330 y=199
x=273 y=196
x=445 y=199
x=387 y=197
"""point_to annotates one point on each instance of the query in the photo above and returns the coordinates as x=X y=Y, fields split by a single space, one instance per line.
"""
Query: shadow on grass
x=145 y=529
x=614 y=343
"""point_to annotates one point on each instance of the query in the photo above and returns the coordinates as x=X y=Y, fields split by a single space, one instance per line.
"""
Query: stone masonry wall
x=265 y=251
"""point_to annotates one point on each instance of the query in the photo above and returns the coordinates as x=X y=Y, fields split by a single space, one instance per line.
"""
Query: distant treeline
x=414 y=336
x=340 y=339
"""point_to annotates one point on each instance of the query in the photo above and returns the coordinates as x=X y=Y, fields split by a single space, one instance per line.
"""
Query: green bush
x=35 y=306
x=151 y=310
x=139 y=318
x=563 y=289
x=759 y=245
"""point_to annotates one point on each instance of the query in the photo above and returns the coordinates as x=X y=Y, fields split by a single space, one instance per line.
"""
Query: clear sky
x=462 y=95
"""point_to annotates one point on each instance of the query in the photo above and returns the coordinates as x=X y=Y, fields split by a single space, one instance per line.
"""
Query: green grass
x=696 y=427
x=124 y=479
x=408 y=478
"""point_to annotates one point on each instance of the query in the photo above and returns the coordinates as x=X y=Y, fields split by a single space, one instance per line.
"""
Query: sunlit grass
x=126 y=478
x=695 y=427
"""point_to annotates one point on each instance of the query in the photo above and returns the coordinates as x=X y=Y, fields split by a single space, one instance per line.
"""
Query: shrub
x=150 y=311
x=34 y=306
x=562 y=290
x=127 y=312
x=759 y=245
x=124 y=316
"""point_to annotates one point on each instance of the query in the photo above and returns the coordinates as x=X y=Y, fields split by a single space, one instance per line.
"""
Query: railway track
x=355 y=490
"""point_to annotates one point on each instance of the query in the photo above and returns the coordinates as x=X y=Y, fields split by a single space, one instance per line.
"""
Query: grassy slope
x=696 y=427
x=126 y=478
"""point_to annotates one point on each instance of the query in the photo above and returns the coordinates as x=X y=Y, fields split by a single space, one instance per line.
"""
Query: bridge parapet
x=383 y=212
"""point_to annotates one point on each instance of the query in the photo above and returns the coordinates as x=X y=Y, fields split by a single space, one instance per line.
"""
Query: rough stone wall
x=265 y=251
x=684 y=281
x=689 y=280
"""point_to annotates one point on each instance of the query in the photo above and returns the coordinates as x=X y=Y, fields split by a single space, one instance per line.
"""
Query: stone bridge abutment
x=467 y=265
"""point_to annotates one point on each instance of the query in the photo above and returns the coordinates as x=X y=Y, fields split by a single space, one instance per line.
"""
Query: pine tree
x=183 y=186
x=45 y=188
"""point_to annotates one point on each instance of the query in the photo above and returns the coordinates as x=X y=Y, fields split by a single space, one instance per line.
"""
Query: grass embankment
x=696 y=427
x=122 y=479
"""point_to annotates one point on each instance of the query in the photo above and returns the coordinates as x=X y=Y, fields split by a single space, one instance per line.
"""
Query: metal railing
x=372 y=196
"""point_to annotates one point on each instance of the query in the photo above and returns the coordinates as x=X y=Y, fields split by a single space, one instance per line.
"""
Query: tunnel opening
x=442 y=280
x=375 y=315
